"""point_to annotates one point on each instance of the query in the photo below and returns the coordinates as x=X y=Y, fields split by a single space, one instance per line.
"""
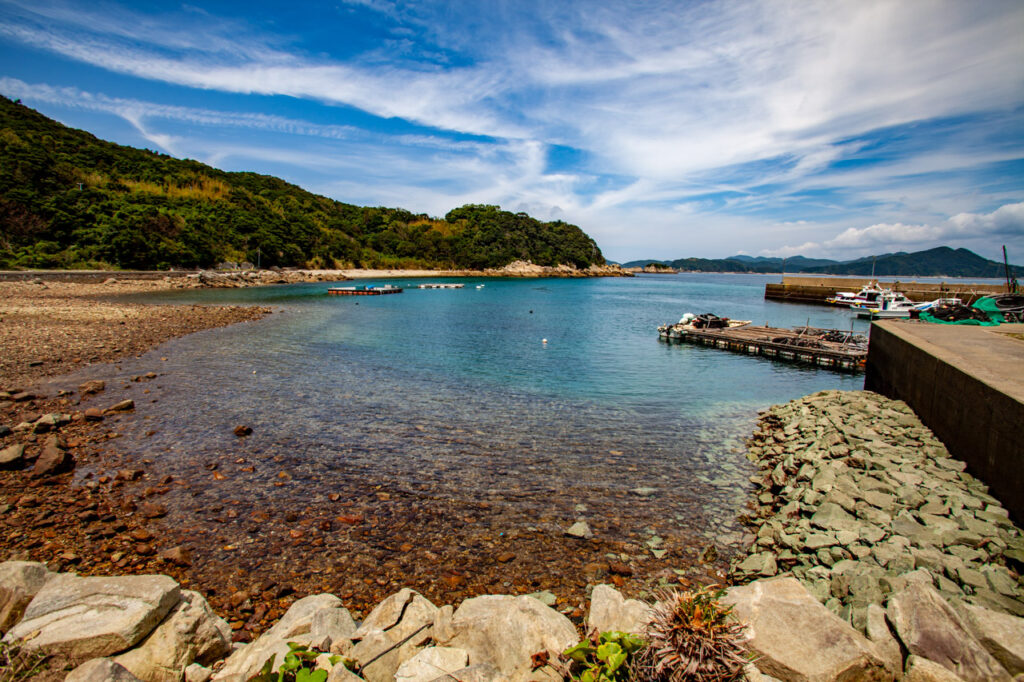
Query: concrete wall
x=965 y=383
x=817 y=289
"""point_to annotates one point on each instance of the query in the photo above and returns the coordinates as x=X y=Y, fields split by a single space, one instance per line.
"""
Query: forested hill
x=71 y=200
x=937 y=262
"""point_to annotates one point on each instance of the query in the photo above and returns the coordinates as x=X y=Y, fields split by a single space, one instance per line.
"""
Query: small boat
x=690 y=322
x=868 y=294
x=901 y=310
x=479 y=286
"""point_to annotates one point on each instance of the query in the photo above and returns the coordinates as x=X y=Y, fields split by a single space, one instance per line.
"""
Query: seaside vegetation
x=69 y=200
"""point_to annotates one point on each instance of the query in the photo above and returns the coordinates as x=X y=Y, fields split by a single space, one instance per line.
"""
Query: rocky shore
x=859 y=502
x=51 y=328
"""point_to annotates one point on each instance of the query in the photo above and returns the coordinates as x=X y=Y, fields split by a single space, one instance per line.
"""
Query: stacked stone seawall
x=967 y=385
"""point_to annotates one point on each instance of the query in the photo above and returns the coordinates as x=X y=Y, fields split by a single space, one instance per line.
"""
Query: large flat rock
x=505 y=631
x=295 y=626
x=394 y=632
x=930 y=629
x=798 y=639
x=84 y=618
x=191 y=633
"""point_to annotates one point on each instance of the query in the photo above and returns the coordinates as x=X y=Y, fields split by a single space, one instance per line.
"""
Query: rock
x=294 y=626
x=53 y=459
x=545 y=597
x=179 y=556
x=242 y=430
x=922 y=670
x=90 y=387
x=331 y=626
x=481 y=672
x=339 y=673
x=94 y=414
x=197 y=673
x=191 y=633
x=796 y=638
x=431 y=663
x=831 y=516
x=760 y=564
x=100 y=670
x=929 y=628
x=20 y=581
x=886 y=646
x=12 y=457
x=505 y=632
x=84 y=618
x=1001 y=634
x=400 y=625
x=580 y=529
x=609 y=610
x=123 y=406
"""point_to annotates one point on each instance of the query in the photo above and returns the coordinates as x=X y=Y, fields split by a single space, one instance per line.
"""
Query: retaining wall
x=967 y=385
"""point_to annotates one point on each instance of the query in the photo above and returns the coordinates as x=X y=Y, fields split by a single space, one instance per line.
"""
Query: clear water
x=453 y=394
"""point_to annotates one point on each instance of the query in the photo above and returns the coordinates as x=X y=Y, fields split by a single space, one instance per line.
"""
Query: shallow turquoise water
x=452 y=394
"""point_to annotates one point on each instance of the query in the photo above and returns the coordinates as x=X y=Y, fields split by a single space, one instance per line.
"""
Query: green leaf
x=333 y=660
x=306 y=675
x=579 y=652
x=607 y=650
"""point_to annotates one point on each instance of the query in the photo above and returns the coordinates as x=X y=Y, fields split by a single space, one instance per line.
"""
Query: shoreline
x=129 y=527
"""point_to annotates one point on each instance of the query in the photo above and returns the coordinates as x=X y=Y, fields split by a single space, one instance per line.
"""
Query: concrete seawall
x=966 y=384
x=817 y=289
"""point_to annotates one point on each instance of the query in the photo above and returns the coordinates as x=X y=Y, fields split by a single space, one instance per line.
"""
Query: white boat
x=900 y=310
x=868 y=294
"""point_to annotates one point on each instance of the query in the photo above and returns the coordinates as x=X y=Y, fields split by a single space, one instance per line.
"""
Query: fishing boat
x=869 y=293
x=690 y=322
x=900 y=310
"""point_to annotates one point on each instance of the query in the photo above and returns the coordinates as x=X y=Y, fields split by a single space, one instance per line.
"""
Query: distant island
x=69 y=200
x=938 y=262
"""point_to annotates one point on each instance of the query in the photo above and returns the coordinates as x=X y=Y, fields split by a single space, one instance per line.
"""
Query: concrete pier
x=817 y=289
x=966 y=384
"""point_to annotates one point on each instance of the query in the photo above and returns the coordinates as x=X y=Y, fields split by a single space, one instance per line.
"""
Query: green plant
x=18 y=663
x=299 y=665
x=603 y=657
x=691 y=636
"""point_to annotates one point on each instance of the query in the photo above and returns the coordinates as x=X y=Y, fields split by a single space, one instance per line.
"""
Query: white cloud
x=1006 y=223
x=674 y=102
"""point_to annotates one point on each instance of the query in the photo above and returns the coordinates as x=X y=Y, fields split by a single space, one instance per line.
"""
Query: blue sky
x=664 y=129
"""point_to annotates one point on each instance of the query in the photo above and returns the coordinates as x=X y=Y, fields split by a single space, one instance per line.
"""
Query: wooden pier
x=839 y=350
x=368 y=290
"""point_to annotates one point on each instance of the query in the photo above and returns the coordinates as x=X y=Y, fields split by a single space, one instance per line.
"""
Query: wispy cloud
x=757 y=113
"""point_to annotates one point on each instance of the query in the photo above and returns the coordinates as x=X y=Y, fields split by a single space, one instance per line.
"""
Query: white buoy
x=543 y=340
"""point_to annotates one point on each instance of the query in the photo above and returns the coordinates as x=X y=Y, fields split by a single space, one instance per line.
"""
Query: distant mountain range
x=937 y=262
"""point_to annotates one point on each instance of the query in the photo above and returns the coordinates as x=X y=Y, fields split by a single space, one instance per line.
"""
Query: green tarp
x=985 y=304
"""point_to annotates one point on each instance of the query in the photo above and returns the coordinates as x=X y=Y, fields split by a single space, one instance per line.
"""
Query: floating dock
x=839 y=350
x=368 y=290
x=433 y=285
